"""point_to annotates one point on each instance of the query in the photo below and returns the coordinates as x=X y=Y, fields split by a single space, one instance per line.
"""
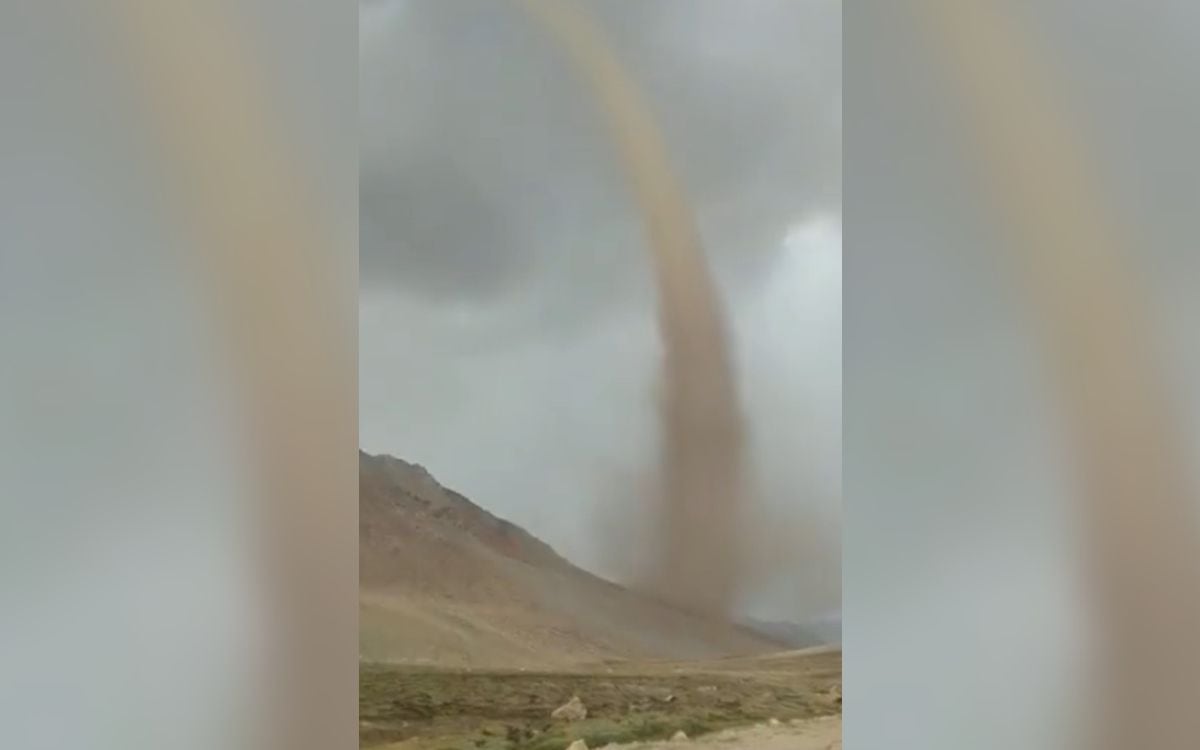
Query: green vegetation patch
x=426 y=709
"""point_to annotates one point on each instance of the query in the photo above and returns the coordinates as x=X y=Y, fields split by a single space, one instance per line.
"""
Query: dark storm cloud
x=483 y=165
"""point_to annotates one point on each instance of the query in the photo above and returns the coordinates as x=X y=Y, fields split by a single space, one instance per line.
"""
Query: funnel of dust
x=699 y=493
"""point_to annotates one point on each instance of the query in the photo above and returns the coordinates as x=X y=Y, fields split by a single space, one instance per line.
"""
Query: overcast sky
x=507 y=337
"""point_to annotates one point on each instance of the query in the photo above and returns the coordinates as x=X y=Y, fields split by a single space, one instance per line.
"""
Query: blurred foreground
x=1021 y=382
x=178 y=408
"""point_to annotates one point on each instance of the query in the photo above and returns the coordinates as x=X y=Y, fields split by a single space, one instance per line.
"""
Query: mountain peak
x=443 y=580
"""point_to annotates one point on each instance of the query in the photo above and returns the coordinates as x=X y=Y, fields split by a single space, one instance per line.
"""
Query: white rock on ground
x=572 y=710
x=577 y=745
x=679 y=736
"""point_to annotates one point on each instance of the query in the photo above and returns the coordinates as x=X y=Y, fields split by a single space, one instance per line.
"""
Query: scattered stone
x=708 y=688
x=572 y=710
x=577 y=745
x=773 y=722
x=680 y=736
x=669 y=699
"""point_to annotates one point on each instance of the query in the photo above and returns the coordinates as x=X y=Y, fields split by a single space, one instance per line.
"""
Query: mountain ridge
x=444 y=581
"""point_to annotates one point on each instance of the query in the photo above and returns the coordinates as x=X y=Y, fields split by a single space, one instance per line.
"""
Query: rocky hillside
x=442 y=581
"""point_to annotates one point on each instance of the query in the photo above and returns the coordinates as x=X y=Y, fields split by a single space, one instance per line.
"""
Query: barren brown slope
x=444 y=582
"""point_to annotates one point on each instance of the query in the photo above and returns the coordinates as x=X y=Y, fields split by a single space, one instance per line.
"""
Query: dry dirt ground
x=824 y=733
x=408 y=708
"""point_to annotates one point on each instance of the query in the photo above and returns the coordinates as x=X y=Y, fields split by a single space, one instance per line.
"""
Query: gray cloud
x=483 y=165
